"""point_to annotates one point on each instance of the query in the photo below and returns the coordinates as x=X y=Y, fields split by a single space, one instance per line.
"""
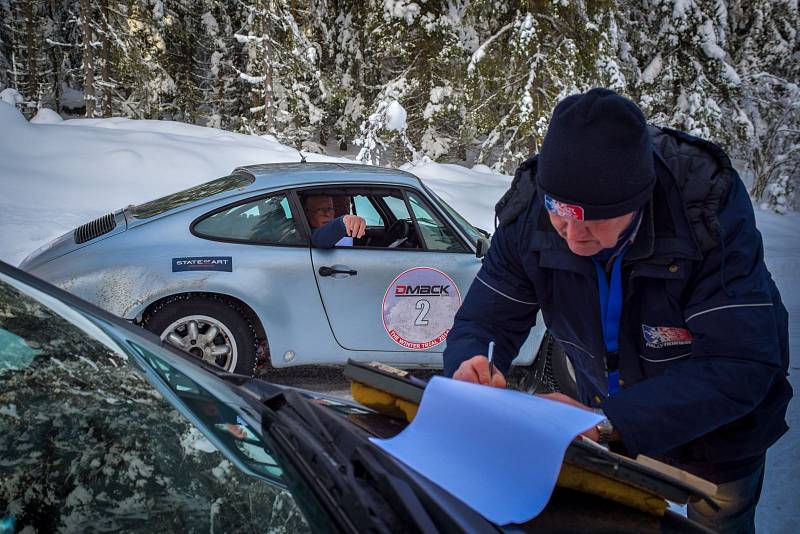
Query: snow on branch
x=477 y=56
x=254 y=80
x=244 y=39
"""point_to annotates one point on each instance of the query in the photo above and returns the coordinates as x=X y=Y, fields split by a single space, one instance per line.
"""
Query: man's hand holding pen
x=481 y=370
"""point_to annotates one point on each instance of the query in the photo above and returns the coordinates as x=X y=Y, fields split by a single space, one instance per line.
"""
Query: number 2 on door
x=424 y=306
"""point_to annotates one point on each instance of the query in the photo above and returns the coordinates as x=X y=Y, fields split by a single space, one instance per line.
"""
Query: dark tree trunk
x=105 y=72
x=269 y=112
x=88 y=58
x=30 y=52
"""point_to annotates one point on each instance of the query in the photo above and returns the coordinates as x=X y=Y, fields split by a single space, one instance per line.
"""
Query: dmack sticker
x=562 y=209
x=419 y=307
x=203 y=263
x=657 y=337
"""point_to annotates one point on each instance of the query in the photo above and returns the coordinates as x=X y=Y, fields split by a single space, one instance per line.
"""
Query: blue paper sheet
x=499 y=451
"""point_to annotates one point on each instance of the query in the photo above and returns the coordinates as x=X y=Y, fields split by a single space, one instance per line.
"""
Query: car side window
x=365 y=209
x=398 y=207
x=265 y=221
x=435 y=233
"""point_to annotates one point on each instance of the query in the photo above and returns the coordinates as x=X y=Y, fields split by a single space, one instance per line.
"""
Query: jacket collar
x=663 y=237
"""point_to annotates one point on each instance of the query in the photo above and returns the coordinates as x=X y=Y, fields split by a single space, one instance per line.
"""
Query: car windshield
x=181 y=198
x=472 y=233
x=88 y=443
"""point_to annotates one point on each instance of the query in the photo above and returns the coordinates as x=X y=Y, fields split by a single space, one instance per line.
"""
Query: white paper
x=498 y=450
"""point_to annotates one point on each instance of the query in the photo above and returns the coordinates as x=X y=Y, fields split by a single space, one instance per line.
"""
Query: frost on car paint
x=88 y=444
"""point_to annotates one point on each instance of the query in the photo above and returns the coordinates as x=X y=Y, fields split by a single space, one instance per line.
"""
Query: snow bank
x=46 y=116
x=10 y=96
x=56 y=175
x=473 y=192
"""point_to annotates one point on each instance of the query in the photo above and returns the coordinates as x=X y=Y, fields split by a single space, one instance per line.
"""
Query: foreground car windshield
x=87 y=443
x=187 y=196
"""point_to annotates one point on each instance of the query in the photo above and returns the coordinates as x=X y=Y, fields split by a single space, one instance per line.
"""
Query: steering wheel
x=398 y=233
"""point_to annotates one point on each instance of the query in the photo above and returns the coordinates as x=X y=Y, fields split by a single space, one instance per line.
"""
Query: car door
x=400 y=294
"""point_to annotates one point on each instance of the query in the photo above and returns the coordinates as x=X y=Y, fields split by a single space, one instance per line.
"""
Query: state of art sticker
x=419 y=307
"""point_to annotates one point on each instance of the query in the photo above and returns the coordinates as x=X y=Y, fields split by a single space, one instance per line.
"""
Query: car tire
x=550 y=372
x=184 y=319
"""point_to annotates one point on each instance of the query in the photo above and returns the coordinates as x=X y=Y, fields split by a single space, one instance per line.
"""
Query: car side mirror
x=482 y=246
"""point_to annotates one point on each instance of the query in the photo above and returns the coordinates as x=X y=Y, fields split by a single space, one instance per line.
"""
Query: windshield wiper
x=358 y=481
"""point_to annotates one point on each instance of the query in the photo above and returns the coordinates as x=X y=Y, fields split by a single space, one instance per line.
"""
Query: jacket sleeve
x=328 y=235
x=500 y=306
x=736 y=354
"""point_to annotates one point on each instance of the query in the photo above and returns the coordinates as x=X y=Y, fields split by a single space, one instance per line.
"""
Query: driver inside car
x=327 y=231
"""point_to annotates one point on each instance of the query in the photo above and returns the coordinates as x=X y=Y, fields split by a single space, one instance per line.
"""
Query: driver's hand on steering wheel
x=355 y=226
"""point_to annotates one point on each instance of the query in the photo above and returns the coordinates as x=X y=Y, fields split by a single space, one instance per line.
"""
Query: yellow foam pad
x=383 y=402
x=574 y=477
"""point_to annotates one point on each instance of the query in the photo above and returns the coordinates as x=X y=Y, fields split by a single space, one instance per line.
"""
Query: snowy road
x=779 y=510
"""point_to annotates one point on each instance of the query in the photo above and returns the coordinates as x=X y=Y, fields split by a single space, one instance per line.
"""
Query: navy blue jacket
x=327 y=235
x=711 y=404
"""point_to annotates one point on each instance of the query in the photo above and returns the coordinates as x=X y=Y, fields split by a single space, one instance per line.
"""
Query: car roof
x=270 y=175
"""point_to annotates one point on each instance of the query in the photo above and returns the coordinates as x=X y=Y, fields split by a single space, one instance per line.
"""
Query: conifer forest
x=468 y=81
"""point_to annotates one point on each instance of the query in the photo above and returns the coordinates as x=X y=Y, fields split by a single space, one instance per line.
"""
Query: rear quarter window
x=187 y=196
x=265 y=221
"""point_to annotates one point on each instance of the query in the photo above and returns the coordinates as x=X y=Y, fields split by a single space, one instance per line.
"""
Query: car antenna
x=302 y=156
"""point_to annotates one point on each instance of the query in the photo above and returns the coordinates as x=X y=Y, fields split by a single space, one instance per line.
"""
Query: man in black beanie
x=639 y=246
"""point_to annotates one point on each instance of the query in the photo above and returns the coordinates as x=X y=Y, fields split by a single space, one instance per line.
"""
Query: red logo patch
x=562 y=209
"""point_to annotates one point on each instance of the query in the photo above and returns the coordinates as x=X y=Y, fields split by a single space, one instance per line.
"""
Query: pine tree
x=149 y=87
x=287 y=88
x=28 y=59
x=766 y=48
x=688 y=77
x=6 y=50
x=528 y=59
x=217 y=78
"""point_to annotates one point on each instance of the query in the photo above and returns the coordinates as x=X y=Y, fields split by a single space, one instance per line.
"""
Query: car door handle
x=329 y=271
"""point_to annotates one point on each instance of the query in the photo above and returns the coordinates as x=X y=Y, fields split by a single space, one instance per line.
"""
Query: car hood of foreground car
x=339 y=478
x=290 y=439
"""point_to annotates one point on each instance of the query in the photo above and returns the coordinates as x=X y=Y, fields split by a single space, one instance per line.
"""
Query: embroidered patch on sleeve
x=657 y=337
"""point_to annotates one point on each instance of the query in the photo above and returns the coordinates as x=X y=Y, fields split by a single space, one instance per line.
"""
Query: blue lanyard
x=610 y=313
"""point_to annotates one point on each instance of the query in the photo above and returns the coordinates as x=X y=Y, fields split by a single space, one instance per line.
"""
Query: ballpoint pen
x=489 y=354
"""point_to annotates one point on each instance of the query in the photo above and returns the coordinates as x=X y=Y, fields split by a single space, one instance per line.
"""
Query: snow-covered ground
x=56 y=175
x=779 y=509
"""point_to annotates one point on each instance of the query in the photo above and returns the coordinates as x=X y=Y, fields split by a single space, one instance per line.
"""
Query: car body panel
x=354 y=303
x=131 y=268
x=65 y=244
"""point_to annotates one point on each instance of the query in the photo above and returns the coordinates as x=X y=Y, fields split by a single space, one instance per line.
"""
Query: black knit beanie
x=596 y=160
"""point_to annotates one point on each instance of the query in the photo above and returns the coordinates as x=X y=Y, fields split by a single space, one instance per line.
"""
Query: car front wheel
x=211 y=329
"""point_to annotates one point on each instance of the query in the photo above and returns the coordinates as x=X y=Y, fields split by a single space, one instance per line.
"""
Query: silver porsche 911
x=226 y=270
